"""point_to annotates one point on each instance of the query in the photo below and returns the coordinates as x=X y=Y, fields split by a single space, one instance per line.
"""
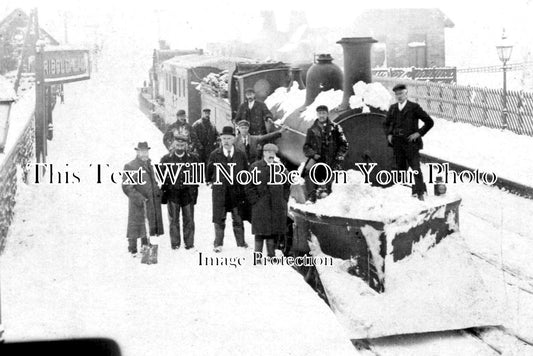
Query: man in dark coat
x=250 y=143
x=325 y=143
x=227 y=197
x=269 y=202
x=405 y=137
x=206 y=135
x=144 y=199
x=181 y=127
x=255 y=112
x=178 y=195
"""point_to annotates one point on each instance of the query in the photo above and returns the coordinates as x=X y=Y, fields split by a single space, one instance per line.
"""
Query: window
x=174 y=85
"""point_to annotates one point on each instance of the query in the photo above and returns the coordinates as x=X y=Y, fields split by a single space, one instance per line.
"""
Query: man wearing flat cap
x=180 y=196
x=206 y=134
x=255 y=112
x=227 y=197
x=251 y=144
x=144 y=199
x=325 y=143
x=269 y=202
x=405 y=136
x=183 y=128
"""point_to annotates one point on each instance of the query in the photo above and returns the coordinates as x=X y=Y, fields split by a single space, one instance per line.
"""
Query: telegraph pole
x=40 y=100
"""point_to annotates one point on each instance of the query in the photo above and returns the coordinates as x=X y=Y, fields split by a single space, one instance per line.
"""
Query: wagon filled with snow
x=399 y=263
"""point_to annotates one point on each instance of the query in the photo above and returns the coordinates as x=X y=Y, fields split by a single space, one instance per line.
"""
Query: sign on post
x=67 y=65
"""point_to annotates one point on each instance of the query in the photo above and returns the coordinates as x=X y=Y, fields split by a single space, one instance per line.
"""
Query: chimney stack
x=357 y=65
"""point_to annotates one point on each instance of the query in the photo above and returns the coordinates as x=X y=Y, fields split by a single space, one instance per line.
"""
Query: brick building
x=408 y=37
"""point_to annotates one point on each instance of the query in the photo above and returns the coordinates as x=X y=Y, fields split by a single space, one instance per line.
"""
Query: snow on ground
x=490 y=150
x=422 y=298
x=19 y=116
x=66 y=271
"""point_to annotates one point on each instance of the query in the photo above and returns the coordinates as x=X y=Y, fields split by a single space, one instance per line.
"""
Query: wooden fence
x=473 y=105
x=435 y=74
x=497 y=68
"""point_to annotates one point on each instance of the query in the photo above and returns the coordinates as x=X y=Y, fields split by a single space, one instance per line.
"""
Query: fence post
x=484 y=105
x=521 y=110
x=434 y=72
x=454 y=90
x=470 y=91
x=440 y=99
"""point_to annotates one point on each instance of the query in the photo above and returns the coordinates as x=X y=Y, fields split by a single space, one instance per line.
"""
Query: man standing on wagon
x=403 y=134
x=255 y=112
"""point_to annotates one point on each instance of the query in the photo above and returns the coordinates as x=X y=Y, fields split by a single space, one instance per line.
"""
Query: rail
x=474 y=105
x=496 y=68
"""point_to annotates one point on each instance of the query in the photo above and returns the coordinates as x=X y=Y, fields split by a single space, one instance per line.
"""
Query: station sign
x=64 y=66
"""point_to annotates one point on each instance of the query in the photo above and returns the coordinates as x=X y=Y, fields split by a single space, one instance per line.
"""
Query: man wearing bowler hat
x=206 y=134
x=227 y=197
x=183 y=128
x=405 y=137
x=144 y=198
x=325 y=143
x=178 y=195
x=255 y=112
x=269 y=202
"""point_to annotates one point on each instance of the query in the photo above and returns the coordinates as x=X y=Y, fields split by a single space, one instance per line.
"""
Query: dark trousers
x=238 y=229
x=312 y=188
x=407 y=155
x=132 y=244
x=187 y=213
x=270 y=244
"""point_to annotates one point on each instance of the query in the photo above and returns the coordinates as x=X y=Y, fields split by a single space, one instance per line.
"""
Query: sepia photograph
x=266 y=178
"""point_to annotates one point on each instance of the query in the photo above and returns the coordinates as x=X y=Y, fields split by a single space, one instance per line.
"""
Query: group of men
x=264 y=205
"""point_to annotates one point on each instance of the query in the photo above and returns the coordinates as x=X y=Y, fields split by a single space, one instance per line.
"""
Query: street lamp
x=504 y=49
x=7 y=97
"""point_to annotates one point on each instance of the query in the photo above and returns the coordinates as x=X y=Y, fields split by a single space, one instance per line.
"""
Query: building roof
x=19 y=14
x=405 y=13
x=199 y=60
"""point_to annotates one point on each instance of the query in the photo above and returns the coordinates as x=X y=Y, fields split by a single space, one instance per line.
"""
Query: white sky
x=193 y=23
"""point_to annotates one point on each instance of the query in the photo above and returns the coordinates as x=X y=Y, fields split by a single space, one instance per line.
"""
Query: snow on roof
x=200 y=60
x=6 y=90
x=416 y=44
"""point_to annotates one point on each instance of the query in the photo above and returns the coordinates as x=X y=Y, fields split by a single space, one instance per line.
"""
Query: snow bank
x=373 y=94
x=420 y=297
x=282 y=102
x=491 y=150
x=6 y=89
x=287 y=100
x=357 y=200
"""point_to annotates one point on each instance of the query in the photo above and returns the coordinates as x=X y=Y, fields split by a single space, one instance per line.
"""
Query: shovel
x=148 y=252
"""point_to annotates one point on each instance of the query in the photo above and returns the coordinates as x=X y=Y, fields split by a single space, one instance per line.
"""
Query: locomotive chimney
x=357 y=64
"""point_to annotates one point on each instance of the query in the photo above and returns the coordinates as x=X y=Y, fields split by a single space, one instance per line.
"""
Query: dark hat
x=322 y=108
x=180 y=137
x=399 y=87
x=142 y=146
x=270 y=147
x=249 y=90
x=206 y=110
x=227 y=130
x=243 y=123
x=181 y=113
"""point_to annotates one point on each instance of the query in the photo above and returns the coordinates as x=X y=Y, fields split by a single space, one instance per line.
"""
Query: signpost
x=54 y=65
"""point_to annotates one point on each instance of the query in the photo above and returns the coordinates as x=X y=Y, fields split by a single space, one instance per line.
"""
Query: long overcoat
x=256 y=116
x=226 y=196
x=269 y=202
x=140 y=196
x=405 y=122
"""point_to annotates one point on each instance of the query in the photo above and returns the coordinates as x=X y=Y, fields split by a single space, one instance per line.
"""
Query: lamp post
x=504 y=49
